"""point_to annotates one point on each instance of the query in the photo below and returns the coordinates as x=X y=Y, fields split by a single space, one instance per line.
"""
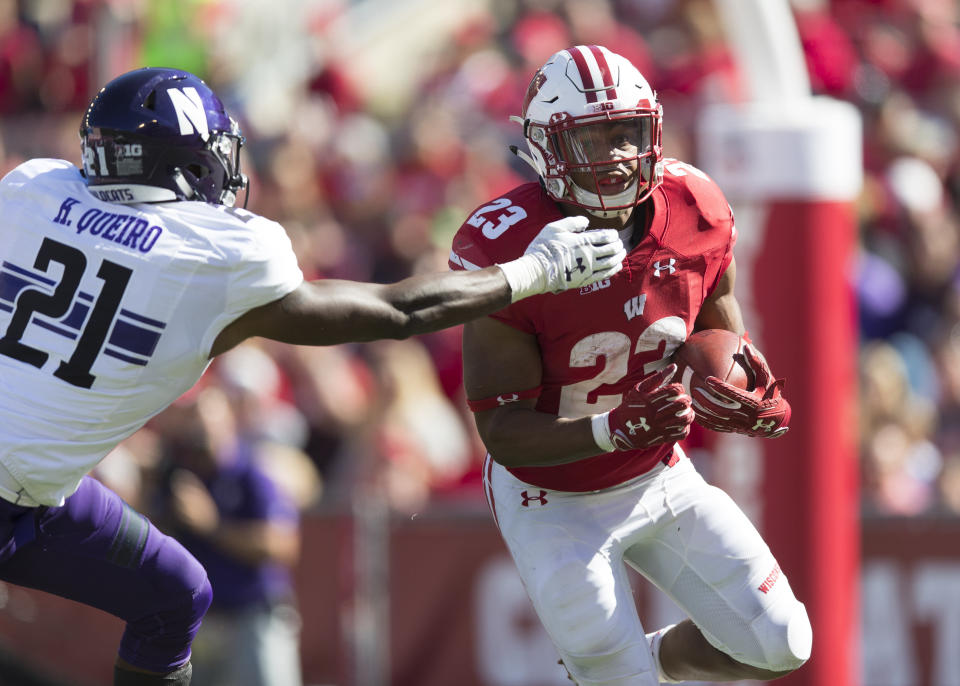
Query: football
x=712 y=352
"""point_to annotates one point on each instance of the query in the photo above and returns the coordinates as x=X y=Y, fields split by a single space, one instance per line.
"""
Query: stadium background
x=374 y=128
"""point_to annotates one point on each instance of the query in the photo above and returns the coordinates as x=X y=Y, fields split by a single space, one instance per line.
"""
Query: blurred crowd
x=371 y=176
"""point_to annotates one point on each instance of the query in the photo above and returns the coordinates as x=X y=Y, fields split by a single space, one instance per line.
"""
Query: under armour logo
x=580 y=268
x=504 y=399
x=642 y=425
x=668 y=267
x=764 y=426
x=527 y=498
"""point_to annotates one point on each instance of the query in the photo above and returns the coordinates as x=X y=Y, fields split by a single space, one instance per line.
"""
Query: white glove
x=564 y=255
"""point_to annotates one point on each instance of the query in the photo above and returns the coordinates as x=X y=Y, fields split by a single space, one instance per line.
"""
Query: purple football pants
x=97 y=550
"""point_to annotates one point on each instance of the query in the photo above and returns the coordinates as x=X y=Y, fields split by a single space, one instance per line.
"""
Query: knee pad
x=160 y=632
x=785 y=636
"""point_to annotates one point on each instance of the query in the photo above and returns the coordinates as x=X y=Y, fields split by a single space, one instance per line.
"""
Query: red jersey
x=597 y=342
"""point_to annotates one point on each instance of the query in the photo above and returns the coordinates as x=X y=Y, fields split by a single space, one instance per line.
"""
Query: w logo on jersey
x=634 y=306
x=191 y=115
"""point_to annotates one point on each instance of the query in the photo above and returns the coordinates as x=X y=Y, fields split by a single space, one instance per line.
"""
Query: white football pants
x=687 y=537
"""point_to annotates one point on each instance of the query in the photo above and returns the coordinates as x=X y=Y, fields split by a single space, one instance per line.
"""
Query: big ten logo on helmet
x=129 y=150
x=128 y=158
x=602 y=106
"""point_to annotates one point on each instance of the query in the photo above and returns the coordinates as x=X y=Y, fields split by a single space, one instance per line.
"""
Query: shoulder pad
x=500 y=230
x=696 y=189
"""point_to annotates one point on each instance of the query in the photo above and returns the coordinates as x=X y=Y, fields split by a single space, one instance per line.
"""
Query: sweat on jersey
x=598 y=341
x=108 y=313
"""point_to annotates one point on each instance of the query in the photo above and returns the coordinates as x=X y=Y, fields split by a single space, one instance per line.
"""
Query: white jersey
x=108 y=313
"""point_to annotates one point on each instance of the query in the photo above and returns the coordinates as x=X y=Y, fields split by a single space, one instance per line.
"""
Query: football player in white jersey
x=118 y=284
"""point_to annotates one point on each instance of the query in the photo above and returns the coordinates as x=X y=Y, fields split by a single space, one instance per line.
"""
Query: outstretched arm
x=333 y=311
x=328 y=312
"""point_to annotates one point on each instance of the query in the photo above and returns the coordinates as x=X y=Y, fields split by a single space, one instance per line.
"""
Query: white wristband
x=600 y=424
x=526 y=275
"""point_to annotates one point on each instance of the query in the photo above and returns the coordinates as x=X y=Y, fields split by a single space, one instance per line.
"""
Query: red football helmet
x=592 y=125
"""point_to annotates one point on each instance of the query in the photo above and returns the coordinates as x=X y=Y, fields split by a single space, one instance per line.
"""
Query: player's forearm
x=527 y=438
x=333 y=311
x=437 y=301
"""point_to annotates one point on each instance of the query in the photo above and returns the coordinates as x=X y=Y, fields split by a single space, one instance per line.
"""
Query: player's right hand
x=573 y=256
x=761 y=413
x=652 y=412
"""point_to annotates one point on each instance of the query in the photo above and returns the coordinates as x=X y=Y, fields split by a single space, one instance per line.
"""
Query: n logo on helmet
x=191 y=114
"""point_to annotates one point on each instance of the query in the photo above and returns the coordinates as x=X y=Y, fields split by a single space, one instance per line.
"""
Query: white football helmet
x=590 y=113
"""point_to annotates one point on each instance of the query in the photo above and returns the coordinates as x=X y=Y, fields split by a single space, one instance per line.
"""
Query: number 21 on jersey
x=56 y=305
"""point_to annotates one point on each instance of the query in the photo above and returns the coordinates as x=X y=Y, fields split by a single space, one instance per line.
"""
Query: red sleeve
x=705 y=205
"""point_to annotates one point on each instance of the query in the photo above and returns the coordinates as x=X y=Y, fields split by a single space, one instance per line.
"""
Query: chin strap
x=183 y=184
x=525 y=157
x=246 y=190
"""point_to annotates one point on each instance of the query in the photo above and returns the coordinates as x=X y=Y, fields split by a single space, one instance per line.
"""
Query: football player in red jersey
x=574 y=399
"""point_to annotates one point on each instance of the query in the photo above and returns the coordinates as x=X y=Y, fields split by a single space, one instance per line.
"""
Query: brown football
x=712 y=352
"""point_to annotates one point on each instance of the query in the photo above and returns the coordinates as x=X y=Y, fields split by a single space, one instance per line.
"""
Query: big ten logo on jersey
x=507 y=215
x=594 y=287
x=615 y=358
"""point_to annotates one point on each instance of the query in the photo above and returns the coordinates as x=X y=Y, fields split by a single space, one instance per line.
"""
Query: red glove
x=652 y=412
x=763 y=412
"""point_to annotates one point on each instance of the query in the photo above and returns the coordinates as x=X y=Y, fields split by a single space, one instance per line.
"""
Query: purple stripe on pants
x=97 y=550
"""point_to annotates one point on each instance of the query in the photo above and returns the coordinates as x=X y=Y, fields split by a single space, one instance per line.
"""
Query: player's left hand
x=762 y=412
x=565 y=255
